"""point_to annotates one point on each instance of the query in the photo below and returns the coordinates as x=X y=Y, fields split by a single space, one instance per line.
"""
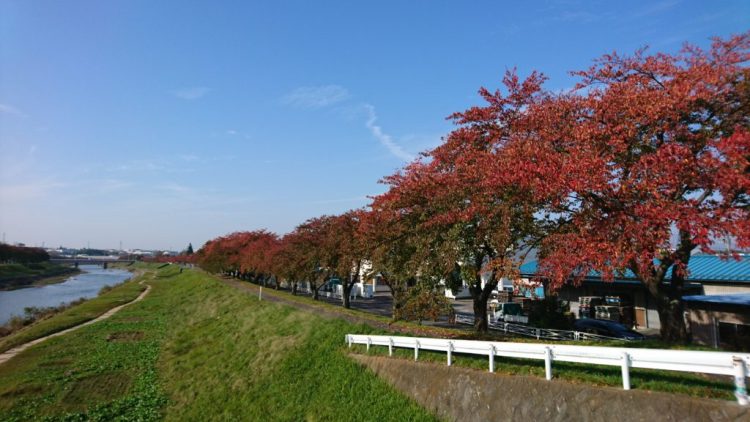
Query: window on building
x=734 y=337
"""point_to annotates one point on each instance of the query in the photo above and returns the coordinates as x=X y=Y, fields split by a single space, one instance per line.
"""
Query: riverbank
x=70 y=317
x=195 y=349
x=19 y=276
x=10 y=354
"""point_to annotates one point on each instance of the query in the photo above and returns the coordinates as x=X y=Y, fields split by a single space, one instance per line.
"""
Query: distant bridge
x=89 y=260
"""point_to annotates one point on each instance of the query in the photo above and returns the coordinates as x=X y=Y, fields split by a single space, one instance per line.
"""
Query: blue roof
x=700 y=268
x=741 y=299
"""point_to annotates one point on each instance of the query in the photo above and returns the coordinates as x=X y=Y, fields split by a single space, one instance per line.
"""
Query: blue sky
x=162 y=123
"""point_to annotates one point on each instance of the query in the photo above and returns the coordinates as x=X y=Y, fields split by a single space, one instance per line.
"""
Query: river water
x=86 y=284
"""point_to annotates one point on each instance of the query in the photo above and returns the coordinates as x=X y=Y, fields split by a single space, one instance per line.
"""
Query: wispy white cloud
x=191 y=93
x=139 y=166
x=189 y=157
x=110 y=185
x=176 y=188
x=382 y=137
x=655 y=8
x=13 y=111
x=578 y=16
x=155 y=166
x=237 y=134
x=15 y=193
x=340 y=200
x=316 y=96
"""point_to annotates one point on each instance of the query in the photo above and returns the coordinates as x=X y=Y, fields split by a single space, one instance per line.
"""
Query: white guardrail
x=718 y=363
x=538 y=333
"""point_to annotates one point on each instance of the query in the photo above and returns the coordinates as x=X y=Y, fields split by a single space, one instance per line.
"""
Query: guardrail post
x=390 y=346
x=348 y=337
x=576 y=336
x=369 y=341
x=492 y=358
x=537 y=334
x=625 y=371
x=548 y=363
x=416 y=349
x=450 y=353
x=506 y=327
x=740 y=388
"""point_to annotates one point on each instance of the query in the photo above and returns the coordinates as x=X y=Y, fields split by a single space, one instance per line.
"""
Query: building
x=708 y=275
x=463 y=292
x=720 y=320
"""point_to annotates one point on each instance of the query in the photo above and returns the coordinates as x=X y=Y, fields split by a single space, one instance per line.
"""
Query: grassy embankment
x=195 y=349
x=15 y=276
x=674 y=382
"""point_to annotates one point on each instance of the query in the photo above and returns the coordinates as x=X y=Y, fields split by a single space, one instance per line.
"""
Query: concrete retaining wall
x=462 y=394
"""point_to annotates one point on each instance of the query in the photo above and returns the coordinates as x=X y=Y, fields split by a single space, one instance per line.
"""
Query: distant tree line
x=22 y=254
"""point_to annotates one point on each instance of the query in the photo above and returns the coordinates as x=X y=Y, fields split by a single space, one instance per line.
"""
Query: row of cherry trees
x=645 y=160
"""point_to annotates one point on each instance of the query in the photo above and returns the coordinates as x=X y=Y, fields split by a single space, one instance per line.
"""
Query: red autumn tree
x=288 y=260
x=233 y=252
x=256 y=256
x=343 y=251
x=305 y=243
x=467 y=224
x=646 y=162
x=390 y=251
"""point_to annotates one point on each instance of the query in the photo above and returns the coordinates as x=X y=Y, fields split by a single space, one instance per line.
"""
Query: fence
x=718 y=363
x=538 y=333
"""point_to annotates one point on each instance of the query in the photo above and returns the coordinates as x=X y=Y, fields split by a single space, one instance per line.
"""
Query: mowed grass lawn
x=195 y=349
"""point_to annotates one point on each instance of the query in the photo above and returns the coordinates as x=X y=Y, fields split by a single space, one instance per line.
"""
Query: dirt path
x=6 y=356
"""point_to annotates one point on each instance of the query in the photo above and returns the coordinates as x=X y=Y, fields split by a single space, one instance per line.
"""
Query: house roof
x=703 y=268
x=741 y=299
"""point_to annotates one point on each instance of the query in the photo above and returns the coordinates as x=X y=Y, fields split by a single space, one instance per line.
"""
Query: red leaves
x=647 y=158
x=656 y=148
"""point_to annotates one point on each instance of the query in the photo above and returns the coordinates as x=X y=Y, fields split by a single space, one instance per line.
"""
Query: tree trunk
x=672 y=320
x=347 y=291
x=345 y=298
x=347 y=286
x=481 y=296
x=397 y=294
x=669 y=303
x=294 y=288
x=480 y=314
x=668 y=298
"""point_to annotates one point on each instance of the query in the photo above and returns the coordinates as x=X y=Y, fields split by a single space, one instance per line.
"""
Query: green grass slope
x=195 y=349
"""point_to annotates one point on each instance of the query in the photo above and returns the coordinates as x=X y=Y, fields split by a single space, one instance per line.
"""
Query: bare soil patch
x=125 y=336
x=98 y=388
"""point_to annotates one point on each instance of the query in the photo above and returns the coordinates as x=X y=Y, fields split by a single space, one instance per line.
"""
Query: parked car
x=606 y=328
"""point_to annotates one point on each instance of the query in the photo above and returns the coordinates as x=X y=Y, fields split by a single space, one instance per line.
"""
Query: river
x=86 y=284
